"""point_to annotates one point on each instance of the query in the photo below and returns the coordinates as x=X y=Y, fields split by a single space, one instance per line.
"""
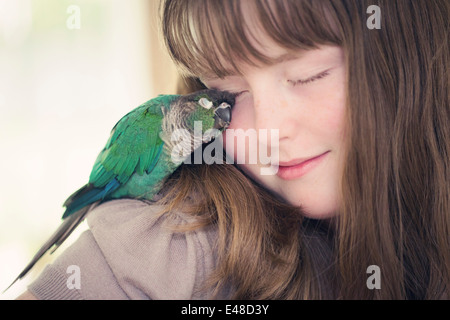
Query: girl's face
x=302 y=95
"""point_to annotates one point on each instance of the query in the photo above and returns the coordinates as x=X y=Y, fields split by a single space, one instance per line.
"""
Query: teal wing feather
x=134 y=145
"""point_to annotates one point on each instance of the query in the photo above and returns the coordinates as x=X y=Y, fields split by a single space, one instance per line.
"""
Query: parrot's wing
x=133 y=147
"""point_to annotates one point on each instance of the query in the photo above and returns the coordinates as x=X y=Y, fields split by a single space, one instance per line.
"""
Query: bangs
x=206 y=37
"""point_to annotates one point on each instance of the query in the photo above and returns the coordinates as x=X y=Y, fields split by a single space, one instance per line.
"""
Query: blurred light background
x=69 y=70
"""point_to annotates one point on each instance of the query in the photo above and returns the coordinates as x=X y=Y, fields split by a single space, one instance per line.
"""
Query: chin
x=318 y=211
x=319 y=215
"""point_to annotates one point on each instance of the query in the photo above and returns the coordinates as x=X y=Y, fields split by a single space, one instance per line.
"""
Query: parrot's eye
x=205 y=103
x=224 y=105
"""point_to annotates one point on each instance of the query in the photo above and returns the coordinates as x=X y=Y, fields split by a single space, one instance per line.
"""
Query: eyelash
x=309 y=80
x=238 y=94
x=299 y=82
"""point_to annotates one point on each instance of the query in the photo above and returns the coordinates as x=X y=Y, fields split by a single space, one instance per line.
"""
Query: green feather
x=127 y=147
x=203 y=115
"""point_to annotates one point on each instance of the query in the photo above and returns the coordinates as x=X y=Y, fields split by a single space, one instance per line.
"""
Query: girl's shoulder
x=132 y=250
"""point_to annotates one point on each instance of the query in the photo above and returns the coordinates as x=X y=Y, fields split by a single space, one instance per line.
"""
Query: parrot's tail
x=64 y=230
x=87 y=195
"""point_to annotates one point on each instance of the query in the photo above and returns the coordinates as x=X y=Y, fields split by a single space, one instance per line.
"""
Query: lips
x=296 y=168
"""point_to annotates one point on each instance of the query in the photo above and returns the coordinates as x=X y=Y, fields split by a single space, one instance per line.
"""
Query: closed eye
x=311 y=79
x=238 y=94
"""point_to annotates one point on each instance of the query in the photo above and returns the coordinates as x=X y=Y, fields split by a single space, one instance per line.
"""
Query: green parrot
x=141 y=153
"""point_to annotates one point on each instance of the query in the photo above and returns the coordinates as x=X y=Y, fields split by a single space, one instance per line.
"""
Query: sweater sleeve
x=131 y=251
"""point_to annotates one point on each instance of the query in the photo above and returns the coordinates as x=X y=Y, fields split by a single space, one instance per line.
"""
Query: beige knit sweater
x=131 y=252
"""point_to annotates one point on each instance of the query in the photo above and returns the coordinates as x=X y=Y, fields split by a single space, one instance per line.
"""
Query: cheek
x=241 y=116
x=337 y=121
x=330 y=118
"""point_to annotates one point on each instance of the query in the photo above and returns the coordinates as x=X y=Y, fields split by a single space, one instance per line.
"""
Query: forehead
x=267 y=53
x=208 y=42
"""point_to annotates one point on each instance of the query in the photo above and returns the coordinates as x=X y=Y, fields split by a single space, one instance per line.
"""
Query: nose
x=273 y=111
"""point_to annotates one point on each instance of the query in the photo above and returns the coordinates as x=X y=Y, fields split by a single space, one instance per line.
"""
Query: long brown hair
x=395 y=210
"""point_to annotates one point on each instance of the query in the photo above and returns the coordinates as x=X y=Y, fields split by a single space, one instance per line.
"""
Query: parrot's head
x=212 y=108
x=197 y=118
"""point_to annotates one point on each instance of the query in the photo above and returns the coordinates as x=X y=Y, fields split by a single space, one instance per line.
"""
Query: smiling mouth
x=296 y=168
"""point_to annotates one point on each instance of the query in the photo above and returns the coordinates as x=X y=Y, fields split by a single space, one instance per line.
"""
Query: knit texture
x=131 y=251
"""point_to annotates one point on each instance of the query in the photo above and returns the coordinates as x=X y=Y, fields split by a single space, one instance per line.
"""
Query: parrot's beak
x=222 y=116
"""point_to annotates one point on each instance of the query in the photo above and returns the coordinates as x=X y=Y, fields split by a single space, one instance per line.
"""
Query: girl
x=359 y=205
